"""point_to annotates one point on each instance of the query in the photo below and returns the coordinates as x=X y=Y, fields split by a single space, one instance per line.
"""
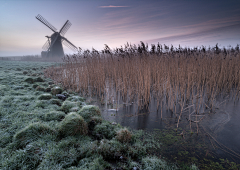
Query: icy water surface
x=221 y=127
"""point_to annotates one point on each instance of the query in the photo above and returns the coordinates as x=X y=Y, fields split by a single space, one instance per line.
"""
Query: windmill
x=53 y=47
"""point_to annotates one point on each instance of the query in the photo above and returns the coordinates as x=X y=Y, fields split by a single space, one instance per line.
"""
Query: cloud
x=112 y=6
x=224 y=31
x=215 y=23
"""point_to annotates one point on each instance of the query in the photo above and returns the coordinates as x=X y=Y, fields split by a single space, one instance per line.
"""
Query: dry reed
x=179 y=78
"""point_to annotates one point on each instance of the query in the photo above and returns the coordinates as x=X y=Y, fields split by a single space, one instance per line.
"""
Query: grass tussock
x=54 y=115
x=45 y=96
x=105 y=130
x=56 y=90
x=92 y=163
x=76 y=99
x=88 y=112
x=124 y=135
x=72 y=125
x=68 y=105
x=150 y=163
x=32 y=132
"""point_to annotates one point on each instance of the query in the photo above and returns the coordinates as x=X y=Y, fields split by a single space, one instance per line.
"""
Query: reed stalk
x=176 y=78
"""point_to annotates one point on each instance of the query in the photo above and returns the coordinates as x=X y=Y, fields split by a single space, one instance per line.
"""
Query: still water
x=221 y=126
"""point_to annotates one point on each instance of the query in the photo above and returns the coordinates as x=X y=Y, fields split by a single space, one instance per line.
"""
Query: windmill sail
x=45 y=22
x=46 y=45
x=65 y=27
x=69 y=44
x=53 y=46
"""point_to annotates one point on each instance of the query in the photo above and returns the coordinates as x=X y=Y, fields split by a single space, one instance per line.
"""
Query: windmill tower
x=53 y=47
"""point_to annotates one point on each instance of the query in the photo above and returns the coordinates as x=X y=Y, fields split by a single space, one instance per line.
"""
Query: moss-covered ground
x=38 y=130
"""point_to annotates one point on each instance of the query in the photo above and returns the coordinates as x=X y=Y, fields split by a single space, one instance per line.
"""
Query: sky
x=189 y=23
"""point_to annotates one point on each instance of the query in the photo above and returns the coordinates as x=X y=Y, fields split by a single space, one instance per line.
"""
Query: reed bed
x=180 y=79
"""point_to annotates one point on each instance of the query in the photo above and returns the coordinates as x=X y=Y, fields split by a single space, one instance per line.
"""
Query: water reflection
x=222 y=125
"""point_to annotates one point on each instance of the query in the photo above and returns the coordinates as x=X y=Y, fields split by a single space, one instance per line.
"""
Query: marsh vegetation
x=179 y=79
x=191 y=85
x=41 y=130
x=47 y=123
